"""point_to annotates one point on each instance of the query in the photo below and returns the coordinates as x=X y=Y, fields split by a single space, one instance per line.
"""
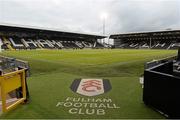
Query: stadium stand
x=154 y=40
x=28 y=43
x=15 y=37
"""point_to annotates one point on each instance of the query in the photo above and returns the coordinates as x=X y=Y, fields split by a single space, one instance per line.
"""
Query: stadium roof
x=42 y=30
x=147 y=34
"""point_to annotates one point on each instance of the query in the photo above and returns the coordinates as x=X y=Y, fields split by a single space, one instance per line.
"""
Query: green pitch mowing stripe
x=53 y=72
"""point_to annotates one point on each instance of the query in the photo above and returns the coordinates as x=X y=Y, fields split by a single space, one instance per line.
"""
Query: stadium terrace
x=13 y=37
x=154 y=40
x=20 y=37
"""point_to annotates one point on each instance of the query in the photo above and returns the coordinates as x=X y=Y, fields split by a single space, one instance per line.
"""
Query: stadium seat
x=17 y=43
x=161 y=45
x=79 y=44
x=174 y=45
x=29 y=43
x=45 y=44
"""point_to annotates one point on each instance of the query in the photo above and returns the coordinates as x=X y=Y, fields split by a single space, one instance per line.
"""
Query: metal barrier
x=9 y=82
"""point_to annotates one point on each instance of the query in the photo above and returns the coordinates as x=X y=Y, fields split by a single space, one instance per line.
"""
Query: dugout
x=161 y=87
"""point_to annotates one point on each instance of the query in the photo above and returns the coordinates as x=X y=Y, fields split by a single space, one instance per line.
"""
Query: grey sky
x=84 y=15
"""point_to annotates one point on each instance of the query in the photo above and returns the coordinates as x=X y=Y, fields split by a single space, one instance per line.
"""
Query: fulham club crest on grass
x=91 y=87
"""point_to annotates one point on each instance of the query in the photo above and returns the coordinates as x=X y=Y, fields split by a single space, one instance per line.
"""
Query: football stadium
x=47 y=73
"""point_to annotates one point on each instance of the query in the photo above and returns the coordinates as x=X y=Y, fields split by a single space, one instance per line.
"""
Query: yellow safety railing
x=9 y=82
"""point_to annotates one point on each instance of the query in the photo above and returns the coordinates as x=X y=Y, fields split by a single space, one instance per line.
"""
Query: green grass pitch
x=53 y=71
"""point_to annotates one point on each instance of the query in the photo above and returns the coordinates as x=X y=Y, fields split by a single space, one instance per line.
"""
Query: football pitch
x=53 y=71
